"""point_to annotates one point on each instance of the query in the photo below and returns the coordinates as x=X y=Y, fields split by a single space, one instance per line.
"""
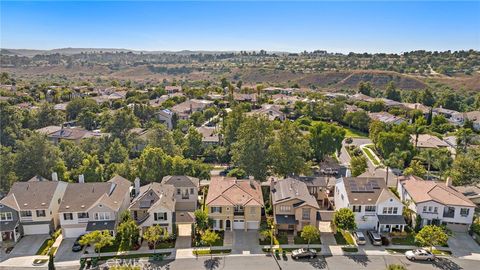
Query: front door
x=227 y=224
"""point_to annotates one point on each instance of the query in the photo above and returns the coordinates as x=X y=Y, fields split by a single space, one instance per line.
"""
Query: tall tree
x=10 y=124
x=464 y=139
x=428 y=156
x=415 y=168
x=392 y=92
x=418 y=128
x=210 y=237
x=152 y=164
x=325 y=139
x=365 y=88
x=443 y=161
x=128 y=232
x=160 y=136
x=75 y=106
x=193 y=147
x=120 y=123
x=310 y=233
x=35 y=156
x=250 y=152
x=289 y=150
x=359 y=165
x=153 y=234
x=431 y=235
x=466 y=168
x=116 y=153
x=232 y=123
x=99 y=239
x=344 y=219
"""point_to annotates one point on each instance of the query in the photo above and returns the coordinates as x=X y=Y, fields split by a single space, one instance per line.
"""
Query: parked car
x=76 y=246
x=304 y=253
x=420 y=254
x=360 y=238
x=375 y=238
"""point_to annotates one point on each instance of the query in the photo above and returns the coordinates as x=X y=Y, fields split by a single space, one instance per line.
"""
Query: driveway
x=462 y=245
x=246 y=242
x=65 y=253
x=28 y=245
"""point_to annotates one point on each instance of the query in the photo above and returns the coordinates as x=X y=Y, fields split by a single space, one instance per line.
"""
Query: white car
x=359 y=238
x=420 y=254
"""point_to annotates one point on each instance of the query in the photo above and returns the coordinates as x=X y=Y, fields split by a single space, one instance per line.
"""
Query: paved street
x=333 y=262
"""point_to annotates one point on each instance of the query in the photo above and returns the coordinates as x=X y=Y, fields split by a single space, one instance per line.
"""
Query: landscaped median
x=200 y=252
x=47 y=247
x=343 y=237
x=369 y=152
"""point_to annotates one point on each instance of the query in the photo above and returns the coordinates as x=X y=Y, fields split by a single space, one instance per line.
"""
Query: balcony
x=239 y=213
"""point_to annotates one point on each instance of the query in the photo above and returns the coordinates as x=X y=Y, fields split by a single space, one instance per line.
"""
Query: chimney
x=81 y=178
x=54 y=176
x=136 y=184
x=448 y=183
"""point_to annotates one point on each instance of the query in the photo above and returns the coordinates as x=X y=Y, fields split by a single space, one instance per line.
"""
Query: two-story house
x=186 y=191
x=319 y=188
x=437 y=203
x=374 y=205
x=31 y=208
x=93 y=206
x=235 y=204
x=293 y=205
x=154 y=204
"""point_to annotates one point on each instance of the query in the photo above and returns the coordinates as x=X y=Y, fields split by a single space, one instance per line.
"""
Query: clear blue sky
x=274 y=26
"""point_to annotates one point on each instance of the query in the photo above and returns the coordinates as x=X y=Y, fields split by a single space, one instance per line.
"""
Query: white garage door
x=238 y=224
x=253 y=225
x=36 y=229
x=72 y=232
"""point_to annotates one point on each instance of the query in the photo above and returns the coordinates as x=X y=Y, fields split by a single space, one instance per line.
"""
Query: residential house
x=93 y=206
x=437 y=203
x=386 y=118
x=417 y=106
x=235 y=204
x=474 y=116
x=186 y=191
x=278 y=90
x=472 y=192
x=318 y=187
x=245 y=97
x=426 y=141
x=75 y=134
x=166 y=117
x=171 y=89
x=31 y=208
x=210 y=135
x=374 y=205
x=293 y=205
x=184 y=109
x=154 y=204
x=272 y=112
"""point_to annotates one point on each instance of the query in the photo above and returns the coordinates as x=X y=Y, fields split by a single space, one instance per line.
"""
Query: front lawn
x=298 y=240
x=112 y=248
x=280 y=239
x=134 y=256
x=353 y=133
x=209 y=252
x=350 y=249
x=344 y=238
x=409 y=240
x=218 y=243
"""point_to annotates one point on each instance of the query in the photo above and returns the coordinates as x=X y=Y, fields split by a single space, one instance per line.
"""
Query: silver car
x=375 y=238
x=304 y=253
x=360 y=238
x=419 y=254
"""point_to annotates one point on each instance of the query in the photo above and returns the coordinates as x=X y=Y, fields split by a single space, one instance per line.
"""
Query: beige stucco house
x=235 y=204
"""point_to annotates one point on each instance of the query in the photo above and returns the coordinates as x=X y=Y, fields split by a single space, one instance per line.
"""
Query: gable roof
x=154 y=195
x=80 y=197
x=423 y=191
x=428 y=141
x=231 y=191
x=181 y=181
x=37 y=193
x=366 y=190
x=289 y=189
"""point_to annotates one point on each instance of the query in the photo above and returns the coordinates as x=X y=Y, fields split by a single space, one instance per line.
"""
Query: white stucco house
x=437 y=203
x=374 y=205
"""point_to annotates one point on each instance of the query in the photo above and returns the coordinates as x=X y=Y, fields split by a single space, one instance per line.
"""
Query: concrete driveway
x=462 y=245
x=65 y=253
x=28 y=245
x=246 y=242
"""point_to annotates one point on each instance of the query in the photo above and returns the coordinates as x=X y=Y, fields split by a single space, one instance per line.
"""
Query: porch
x=10 y=233
x=390 y=223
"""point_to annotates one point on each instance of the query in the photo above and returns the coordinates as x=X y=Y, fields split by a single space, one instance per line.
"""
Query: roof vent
x=82 y=206
x=115 y=202
x=43 y=203
x=68 y=206
x=25 y=204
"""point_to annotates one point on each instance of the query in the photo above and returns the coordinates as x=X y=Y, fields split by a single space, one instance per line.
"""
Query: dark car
x=304 y=253
x=375 y=238
x=76 y=246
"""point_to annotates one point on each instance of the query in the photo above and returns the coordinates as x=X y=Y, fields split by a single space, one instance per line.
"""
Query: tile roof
x=80 y=197
x=289 y=189
x=31 y=195
x=230 y=191
x=423 y=191
x=428 y=141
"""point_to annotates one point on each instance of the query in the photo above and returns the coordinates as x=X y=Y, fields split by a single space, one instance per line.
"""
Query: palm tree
x=464 y=138
x=428 y=156
x=443 y=161
x=418 y=128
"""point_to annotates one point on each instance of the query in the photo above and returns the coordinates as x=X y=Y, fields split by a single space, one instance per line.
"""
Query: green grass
x=209 y=252
x=339 y=238
x=298 y=240
x=281 y=239
x=396 y=250
x=350 y=249
x=352 y=133
x=134 y=256
x=370 y=155
x=43 y=248
x=407 y=240
x=441 y=252
x=163 y=245
x=217 y=243
x=112 y=248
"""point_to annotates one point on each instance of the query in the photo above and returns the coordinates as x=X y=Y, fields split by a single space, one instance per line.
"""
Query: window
x=357 y=208
x=395 y=210
x=6 y=216
x=430 y=209
x=285 y=208
x=160 y=216
x=305 y=213
x=191 y=191
x=435 y=209
x=27 y=213
x=67 y=216
x=41 y=213
x=464 y=212
x=102 y=216
x=82 y=215
x=370 y=208
x=424 y=209
x=178 y=191
x=238 y=209
x=216 y=209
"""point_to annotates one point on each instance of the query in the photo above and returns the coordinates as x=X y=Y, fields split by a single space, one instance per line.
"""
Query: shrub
x=396 y=267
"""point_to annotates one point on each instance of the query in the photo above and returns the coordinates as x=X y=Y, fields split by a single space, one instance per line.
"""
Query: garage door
x=238 y=224
x=457 y=227
x=72 y=232
x=36 y=229
x=253 y=225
